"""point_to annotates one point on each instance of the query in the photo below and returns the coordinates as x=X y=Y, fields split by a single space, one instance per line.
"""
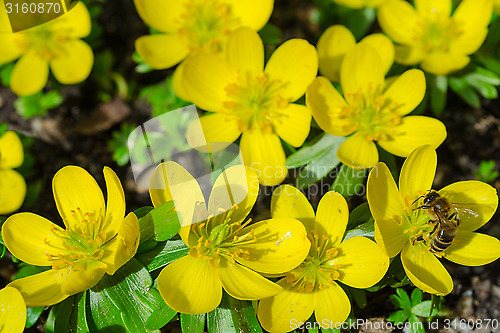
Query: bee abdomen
x=441 y=242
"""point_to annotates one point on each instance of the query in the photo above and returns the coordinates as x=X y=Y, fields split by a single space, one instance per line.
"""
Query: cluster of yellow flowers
x=221 y=68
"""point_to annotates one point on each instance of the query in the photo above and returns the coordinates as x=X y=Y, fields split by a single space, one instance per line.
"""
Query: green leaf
x=270 y=34
x=438 y=87
x=6 y=72
x=220 y=320
x=406 y=302
x=366 y=229
x=3 y=128
x=397 y=301
x=233 y=316
x=416 y=326
x=359 y=215
x=360 y=21
x=462 y=89
x=416 y=296
x=32 y=315
x=161 y=222
x=423 y=309
x=399 y=316
x=69 y=315
x=37 y=104
x=359 y=296
x=163 y=254
x=160 y=317
x=349 y=181
x=123 y=301
x=314 y=149
x=193 y=323
x=244 y=317
x=51 y=99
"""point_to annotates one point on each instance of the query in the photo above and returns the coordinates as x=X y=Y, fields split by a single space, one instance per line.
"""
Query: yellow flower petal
x=161 y=51
x=417 y=173
x=213 y=128
x=178 y=83
x=30 y=75
x=332 y=47
x=332 y=216
x=384 y=47
x=326 y=105
x=425 y=270
x=390 y=235
x=162 y=15
x=399 y=20
x=358 y=153
x=441 y=63
x=238 y=186
x=12 y=191
x=433 y=8
x=245 y=51
x=115 y=205
x=293 y=124
x=76 y=22
x=82 y=277
x=11 y=151
x=407 y=91
x=475 y=202
x=243 y=283
x=281 y=245
x=253 y=14
x=287 y=201
x=382 y=194
x=469 y=41
x=190 y=285
x=74 y=64
x=332 y=306
x=473 y=15
x=170 y=181
x=12 y=310
x=263 y=152
x=413 y=132
x=294 y=64
x=119 y=250
x=473 y=249
x=362 y=71
x=42 y=289
x=363 y=263
x=205 y=78
x=409 y=55
x=281 y=312
x=75 y=189
x=29 y=237
x=10 y=49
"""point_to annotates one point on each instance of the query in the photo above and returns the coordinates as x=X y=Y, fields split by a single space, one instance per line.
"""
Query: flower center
x=218 y=236
x=436 y=33
x=82 y=243
x=370 y=115
x=318 y=270
x=255 y=102
x=43 y=41
x=206 y=25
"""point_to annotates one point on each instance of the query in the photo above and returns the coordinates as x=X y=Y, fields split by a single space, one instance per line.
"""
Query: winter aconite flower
x=358 y=4
x=372 y=109
x=225 y=250
x=401 y=226
x=190 y=27
x=12 y=311
x=56 y=44
x=98 y=238
x=253 y=102
x=312 y=287
x=337 y=40
x=12 y=184
x=430 y=36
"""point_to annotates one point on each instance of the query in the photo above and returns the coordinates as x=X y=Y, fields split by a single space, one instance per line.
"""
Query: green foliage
x=118 y=144
x=349 y=182
x=163 y=254
x=161 y=97
x=142 y=66
x=437 y=88
x=233 y=316
x=486 y=172
x=6 y=72
x=193 y=323
x=475 y=83
x=270 y=34
x=38 y=104
x=411 y=309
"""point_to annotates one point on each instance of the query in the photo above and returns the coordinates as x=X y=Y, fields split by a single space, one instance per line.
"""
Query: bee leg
x=454 y=217
x=423 y=207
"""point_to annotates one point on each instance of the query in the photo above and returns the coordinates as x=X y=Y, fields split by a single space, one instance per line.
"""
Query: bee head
x=430 y=197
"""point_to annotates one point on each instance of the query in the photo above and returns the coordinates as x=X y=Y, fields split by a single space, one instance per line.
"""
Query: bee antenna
x=418 y=199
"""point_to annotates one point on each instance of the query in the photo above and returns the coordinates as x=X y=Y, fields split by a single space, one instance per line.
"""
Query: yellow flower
x=430 y=36
x=337 y=40
x=358 y=4
x=357 y=262
x=12 y=184
x=12 y=311
x=225 y=252
x=190 y=27
x=55 y=43
x=496 y=7
x=98 y=238
x=372 y=109
x=250 y=100
x=399 y=223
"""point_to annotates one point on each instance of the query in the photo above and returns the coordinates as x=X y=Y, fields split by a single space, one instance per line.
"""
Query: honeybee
x=445 y=218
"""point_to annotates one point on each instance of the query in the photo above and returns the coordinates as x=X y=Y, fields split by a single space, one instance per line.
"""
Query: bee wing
x=472 y=215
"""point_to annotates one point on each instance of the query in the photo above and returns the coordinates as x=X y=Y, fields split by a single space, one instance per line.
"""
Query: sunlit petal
x=473 y=249
x=12 y=310
x=287 y=201
x=382 y=194
x=332 y=216
x=332 y=305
